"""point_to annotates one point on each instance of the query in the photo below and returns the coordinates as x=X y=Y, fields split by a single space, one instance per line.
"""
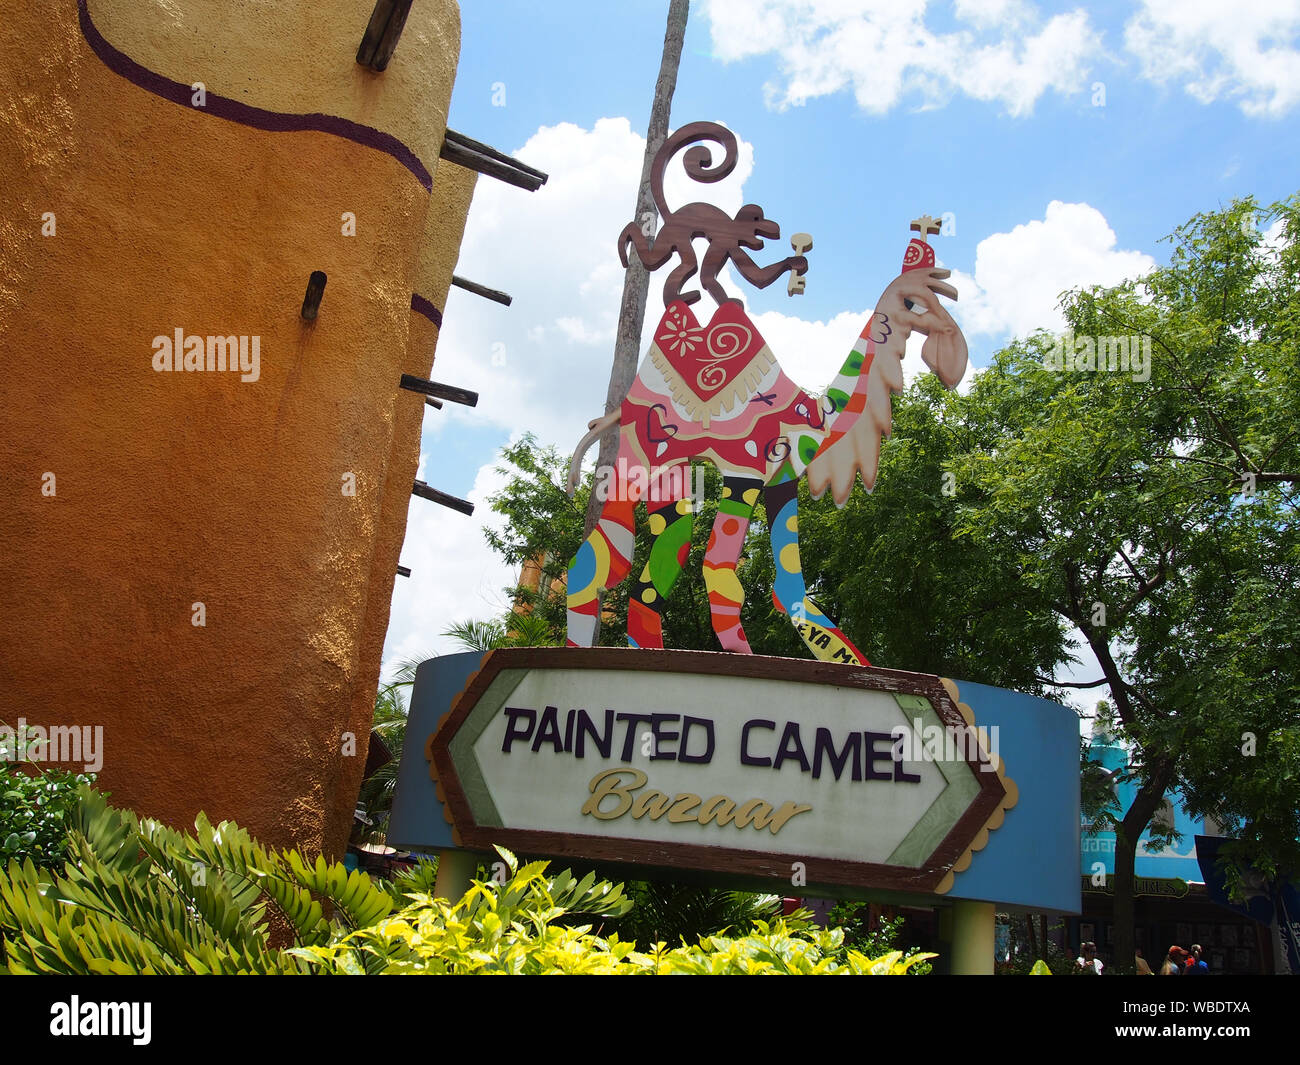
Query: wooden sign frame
x=997 y=792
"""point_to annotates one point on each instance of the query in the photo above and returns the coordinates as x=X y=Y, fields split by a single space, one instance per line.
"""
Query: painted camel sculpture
x=715 y=392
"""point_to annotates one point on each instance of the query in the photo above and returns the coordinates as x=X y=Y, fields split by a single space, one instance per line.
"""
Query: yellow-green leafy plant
x=515 y=928
x=135 y=896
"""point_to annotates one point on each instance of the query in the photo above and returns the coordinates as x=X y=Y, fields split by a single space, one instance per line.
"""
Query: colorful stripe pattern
x=602 y=561
x=768 y=441
x=821 y=635
x=670 y=525
x=721 y=557
x=846 y=391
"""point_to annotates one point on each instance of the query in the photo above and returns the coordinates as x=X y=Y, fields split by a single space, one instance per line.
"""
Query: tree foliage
x=1158 y=518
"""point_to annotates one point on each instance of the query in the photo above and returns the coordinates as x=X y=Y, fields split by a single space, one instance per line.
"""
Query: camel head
x=911 y=302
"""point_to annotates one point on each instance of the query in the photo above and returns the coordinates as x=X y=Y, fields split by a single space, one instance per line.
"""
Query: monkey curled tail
x=727 y=236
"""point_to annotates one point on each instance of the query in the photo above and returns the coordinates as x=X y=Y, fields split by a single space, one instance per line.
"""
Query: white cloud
x=1275 y=236
x=991 y=12
x=1008 y=51
x=883 y=50
x=580 y=331
x=1243 y=52
x=1020 y=275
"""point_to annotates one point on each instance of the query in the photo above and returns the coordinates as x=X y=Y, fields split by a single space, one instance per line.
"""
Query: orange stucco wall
x=171 y=489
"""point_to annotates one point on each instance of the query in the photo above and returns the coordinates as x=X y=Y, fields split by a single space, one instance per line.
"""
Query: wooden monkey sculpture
x=727 y=236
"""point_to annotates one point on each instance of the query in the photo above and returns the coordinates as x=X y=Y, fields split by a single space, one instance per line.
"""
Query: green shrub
x=675 y=913
x=854 y=918
x=35 y=806
x=511 y=929
x=135 y=896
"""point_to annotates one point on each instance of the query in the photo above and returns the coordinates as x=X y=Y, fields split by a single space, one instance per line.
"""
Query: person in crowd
x=1173 y=965
x=1143 y=969
x=1195 y=964
x=1089 y=963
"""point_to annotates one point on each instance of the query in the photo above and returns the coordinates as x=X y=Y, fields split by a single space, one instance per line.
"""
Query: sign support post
x=972 y=938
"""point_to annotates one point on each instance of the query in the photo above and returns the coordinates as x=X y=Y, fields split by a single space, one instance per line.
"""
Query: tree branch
x=1062 y=684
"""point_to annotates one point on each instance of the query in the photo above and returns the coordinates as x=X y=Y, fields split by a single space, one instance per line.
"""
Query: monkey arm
x=762 y=276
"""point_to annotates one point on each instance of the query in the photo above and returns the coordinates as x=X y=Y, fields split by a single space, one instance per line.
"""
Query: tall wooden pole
x=636 y=282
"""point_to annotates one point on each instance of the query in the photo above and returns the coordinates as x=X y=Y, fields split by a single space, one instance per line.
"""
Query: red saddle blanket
x=709 y=368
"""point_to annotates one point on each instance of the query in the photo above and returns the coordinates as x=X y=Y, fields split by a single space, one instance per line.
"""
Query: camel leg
x=726 y=596
x=820 y=633
x=671 y=516
x=603 y=560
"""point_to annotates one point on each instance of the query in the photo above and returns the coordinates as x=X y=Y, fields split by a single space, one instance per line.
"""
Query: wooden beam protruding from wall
x=433 y=388
x=495 y=295
x=434 y=496
x=484 y=159
x=386 y=23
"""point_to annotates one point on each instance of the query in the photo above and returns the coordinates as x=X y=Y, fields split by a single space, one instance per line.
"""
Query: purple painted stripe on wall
x=257 y=117
x=422 y=306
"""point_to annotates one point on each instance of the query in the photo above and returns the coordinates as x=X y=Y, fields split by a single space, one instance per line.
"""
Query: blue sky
x=1064 y=140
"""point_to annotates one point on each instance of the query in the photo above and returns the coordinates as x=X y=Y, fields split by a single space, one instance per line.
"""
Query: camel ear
x=944 y=351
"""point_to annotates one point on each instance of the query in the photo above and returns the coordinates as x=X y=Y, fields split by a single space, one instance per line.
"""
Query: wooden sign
x=796 y=771
x=1164 y=887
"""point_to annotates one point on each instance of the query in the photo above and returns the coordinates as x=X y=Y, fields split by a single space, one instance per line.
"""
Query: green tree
x=1152 y=515
x=1232 y=337
x=544 y=524
x=514 y=630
